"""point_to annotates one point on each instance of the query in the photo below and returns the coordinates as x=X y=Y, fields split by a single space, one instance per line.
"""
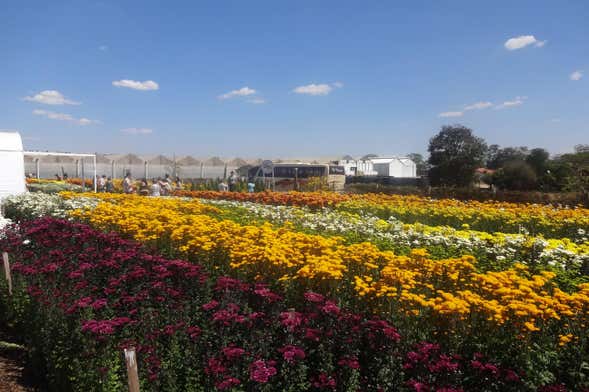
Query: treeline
x=458 y=158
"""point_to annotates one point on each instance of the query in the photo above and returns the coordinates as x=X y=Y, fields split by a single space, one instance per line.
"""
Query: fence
x=118 y=170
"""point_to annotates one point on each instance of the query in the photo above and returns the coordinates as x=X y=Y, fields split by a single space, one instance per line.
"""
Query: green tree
x=577 y=164
x=516 y=175
x=498 y=157
x=455 y=154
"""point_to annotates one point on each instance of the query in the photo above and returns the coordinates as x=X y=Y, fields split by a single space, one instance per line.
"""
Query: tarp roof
x=188 y=161
x=161 y=160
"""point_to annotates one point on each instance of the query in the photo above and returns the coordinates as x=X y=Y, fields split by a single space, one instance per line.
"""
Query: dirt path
x=12 y=367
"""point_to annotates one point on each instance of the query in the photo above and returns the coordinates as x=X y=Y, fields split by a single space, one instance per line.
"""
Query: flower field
x=301 y=291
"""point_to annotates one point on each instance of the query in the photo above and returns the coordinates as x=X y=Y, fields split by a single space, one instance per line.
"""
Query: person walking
x=179 y=184
x=232 y=181
x=144 y=187
x=223 y=186
x=156 y=189
x=109 y=186
x=101 y=184
x=128 y=184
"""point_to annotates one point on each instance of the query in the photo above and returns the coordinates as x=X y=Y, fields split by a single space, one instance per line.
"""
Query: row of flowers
x=493 y=251
x=448 y=293
x=81 y=296
x=489 y=216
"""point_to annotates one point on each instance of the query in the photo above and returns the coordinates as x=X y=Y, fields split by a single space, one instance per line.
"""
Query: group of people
x=104 y=184
x=231 y=184
x=158 y=187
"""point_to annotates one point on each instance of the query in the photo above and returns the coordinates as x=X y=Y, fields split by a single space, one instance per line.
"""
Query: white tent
x=12 y=164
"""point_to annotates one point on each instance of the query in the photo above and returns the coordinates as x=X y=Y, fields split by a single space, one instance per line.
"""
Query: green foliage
x=515 y=175
x=455 y=153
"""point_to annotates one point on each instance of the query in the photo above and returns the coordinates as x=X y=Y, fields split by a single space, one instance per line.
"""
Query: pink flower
x=99 y=303
x=210 y=305
x=418 y=386
x=324 y=381
x=292 y=353
x=266 y=293
x=215 y=366
x=193 y=332
x=312 y=334
x=84 y=302
x=330 y=308
x=349 y=361
x=291 y=319
x=261 y=371
x=227 y=383
x=232 y=352
x=314 y=297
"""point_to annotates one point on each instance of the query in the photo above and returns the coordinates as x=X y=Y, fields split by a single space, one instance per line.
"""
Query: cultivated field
x=300 y=291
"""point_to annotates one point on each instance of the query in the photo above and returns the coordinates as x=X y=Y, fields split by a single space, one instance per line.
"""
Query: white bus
x=298 y=176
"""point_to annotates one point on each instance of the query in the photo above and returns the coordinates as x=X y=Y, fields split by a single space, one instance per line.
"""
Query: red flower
x=261 y=371
x=323 y=380
x=210 y=305
x=227 y=383
x=291 y=319
x=232 y=352
x=314 y=297
x=292 y=353
x=331 y=308
x=215 y=366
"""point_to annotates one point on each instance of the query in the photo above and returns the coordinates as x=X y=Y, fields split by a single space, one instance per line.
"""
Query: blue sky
x=292 y=78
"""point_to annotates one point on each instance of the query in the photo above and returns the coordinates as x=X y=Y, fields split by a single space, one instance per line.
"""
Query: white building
x=400 y=167
x=12 y=164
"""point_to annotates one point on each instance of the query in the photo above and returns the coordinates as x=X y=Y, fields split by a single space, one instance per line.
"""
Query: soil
x=13 y=371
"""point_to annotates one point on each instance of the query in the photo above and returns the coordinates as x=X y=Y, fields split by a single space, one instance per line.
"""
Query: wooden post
x=7 y=271
x=83 y=178
x=132 y=373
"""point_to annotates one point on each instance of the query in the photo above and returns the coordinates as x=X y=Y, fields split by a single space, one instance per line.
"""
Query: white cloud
x=103 y=48
x=257 y=101
x=540 y=44
x=517 y=101
x=478 y=106
x=137 y=131
x=50 y=97
x=242 y=92
x=451 y=114
x=522 y=41
x=337 y=84
x=577 y=75
x=314 y=89
x=63 y=117
x=136 y=85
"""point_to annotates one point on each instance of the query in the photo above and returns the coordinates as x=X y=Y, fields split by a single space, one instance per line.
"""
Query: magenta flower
x=228 y=383
x=261 y=371
x=314 y=297
x=210 y=305
x=331 y=308
x=232 y=352
x=292 y=353
x=291 y=319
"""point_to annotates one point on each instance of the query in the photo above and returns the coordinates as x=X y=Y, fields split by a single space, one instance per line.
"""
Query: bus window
x=311 y=171
x=337 y=170
x=284 y=172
